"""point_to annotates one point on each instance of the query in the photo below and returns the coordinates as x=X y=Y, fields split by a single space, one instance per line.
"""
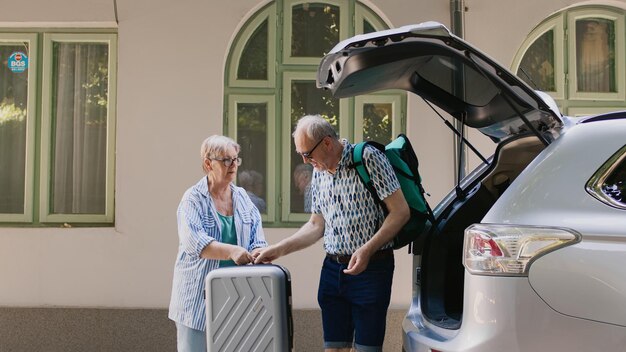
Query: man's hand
x=255 y=252
x=358 y=262
x=398 y=215
x=266 y=255
x=308 y=234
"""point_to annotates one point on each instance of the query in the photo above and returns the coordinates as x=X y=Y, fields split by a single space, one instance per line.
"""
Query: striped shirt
x=199 y=225
x=351 y=215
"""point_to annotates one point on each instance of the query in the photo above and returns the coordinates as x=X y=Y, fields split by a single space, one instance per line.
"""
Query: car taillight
x=508 y=250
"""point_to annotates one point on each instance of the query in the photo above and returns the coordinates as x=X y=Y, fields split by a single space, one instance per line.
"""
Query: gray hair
x=315 y=127
x=215 y=146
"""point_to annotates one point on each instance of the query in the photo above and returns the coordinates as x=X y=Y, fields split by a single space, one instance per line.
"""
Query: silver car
x=528 y=252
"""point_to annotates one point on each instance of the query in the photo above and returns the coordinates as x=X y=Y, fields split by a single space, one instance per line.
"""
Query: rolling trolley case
x=248 y=308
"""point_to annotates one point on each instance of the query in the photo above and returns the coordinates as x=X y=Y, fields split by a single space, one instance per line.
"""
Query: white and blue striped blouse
x=198 y=225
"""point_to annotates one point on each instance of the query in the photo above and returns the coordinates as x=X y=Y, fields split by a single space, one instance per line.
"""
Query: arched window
x=577 y=56
x=270 y=84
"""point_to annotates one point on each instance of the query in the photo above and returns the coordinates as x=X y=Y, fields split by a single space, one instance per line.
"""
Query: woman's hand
x=240 y=256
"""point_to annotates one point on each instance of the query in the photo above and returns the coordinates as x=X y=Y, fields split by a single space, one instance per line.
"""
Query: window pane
x=315 y=29
x=367 y=27
x=306 y=99
x=252 y=137
x=79 y=109
x=595 y=55
x=13 y=110
x=448 y=73
x=615 y=185
x=377 y=122
x=537 y=66
x=253 y=64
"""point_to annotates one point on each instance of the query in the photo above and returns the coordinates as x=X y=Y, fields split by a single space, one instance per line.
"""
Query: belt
x=345 y=258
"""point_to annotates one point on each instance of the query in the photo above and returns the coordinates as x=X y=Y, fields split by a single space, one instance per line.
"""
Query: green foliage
x=316 y=30
x=307 y=100
x=252 y=117
x=9 y=112
x=96 y=85
x=253 y=63
x=537 y=66
x=377 y=123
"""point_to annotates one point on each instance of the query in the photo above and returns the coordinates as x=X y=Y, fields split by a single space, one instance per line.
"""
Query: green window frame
x=269 y=31
x=619 y=42
x=567 y=57
x=390 y=102
x=46 y=84
x=289 y=79
x=30 y=41
x=267 y=101
x=290 y=7
x=267 y=19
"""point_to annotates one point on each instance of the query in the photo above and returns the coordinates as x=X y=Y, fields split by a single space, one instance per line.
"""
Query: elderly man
x=355 y=281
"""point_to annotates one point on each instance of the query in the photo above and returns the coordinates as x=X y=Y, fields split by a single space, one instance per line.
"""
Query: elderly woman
x=217 y=226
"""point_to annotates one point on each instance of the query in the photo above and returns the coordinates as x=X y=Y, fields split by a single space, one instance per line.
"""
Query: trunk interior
x=441 y=276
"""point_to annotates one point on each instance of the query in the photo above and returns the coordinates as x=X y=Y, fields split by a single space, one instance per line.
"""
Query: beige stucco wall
x=171 y=61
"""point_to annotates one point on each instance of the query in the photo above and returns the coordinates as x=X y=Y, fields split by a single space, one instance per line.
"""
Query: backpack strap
x=359 y=165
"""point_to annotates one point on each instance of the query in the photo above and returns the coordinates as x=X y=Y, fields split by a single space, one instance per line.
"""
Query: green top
x=228 y=236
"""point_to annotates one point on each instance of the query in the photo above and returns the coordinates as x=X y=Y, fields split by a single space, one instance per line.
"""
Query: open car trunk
x=440 y=275
x=429 y=61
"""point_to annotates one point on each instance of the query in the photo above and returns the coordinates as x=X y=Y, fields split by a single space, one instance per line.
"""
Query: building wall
x=171 y=61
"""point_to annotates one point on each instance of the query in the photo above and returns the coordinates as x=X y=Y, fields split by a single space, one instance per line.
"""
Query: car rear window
x=445 y=73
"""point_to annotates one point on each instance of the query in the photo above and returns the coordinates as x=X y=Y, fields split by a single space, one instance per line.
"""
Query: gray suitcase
x=248 y=308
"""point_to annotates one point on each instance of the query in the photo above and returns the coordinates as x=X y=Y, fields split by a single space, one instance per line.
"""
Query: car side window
x=608 y=184
x=614 y=185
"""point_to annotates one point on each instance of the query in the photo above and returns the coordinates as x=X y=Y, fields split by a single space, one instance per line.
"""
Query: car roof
x=428 y=60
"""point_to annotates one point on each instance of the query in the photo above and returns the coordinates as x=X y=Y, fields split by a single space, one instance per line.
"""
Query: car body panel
x=506 y=314
x=542 y=195
x=591 y=280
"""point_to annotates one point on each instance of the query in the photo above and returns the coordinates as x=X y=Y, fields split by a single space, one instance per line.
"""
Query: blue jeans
x=354 y=307
x=190 y=340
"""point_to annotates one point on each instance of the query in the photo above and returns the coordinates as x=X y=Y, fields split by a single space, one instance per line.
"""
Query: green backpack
x=405 y=164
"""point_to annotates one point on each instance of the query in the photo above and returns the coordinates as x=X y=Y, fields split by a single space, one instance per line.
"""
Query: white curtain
x=80 y=120
x=594 y=73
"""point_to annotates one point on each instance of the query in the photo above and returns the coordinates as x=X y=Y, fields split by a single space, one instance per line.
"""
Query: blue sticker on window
x=18 y=62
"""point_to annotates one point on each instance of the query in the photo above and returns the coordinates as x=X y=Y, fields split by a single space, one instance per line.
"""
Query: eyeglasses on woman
x=228 y=162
